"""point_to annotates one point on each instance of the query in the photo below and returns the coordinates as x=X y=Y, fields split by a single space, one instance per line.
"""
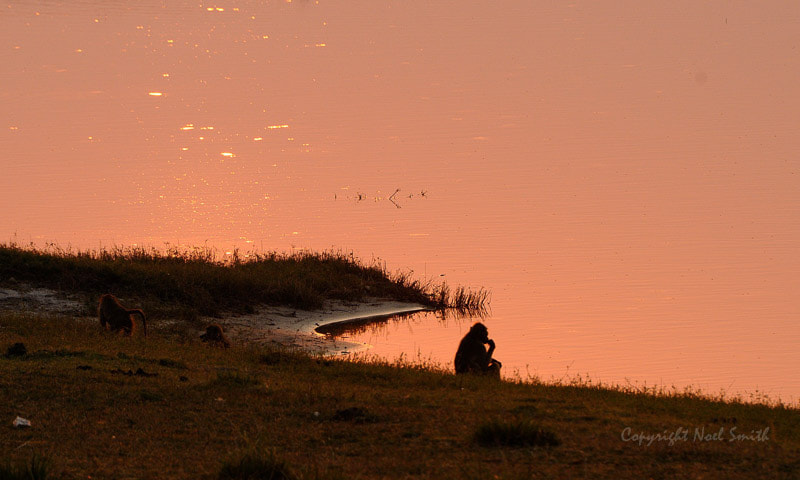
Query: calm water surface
x=622 y=176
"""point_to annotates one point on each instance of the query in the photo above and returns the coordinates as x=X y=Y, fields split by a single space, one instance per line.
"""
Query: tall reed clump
x=460 y=298
x=203 y=281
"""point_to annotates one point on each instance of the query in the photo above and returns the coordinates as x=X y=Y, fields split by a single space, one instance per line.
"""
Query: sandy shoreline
x=295 y=328
x=283 y=326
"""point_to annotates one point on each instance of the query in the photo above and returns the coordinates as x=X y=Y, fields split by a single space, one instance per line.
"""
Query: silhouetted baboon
x=472 y=357
x=116 y=317
x=215 y=336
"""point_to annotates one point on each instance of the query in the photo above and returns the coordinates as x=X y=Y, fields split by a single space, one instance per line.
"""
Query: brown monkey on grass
x=115 y=317
x=215 y=337
x=472 y=356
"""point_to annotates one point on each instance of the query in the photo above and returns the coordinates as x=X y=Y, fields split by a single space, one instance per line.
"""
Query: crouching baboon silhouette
x=214 y=336
x=115 y=317
x=472 y=356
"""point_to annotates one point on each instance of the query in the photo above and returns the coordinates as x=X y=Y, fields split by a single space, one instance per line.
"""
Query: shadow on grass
x=234 y=379
x=517 y=433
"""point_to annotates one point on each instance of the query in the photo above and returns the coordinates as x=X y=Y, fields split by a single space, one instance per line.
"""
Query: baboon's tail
x=144 y=319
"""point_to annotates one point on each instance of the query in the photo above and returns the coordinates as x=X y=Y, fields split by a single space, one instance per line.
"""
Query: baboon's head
x=213 y=332
x=480 y=332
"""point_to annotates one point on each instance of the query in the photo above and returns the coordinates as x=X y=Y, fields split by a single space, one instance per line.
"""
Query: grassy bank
x=167 y=406
x=105 y=406
x=191 y=282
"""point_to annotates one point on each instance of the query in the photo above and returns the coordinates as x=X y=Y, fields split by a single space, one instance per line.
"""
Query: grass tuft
x=168 y=362
x=235 y=379
x=256 y=466
x=517 y=433
x=38 y=468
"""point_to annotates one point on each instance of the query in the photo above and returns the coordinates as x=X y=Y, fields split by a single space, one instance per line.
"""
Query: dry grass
x=187 y=283
x=169 y=407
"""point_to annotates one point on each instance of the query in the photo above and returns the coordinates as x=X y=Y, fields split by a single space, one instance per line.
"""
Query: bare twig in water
x=391 y=198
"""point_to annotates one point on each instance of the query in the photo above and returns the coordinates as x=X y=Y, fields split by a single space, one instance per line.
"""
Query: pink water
x=622 y=176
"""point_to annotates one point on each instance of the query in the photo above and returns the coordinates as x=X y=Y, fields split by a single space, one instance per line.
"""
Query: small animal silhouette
x=115 y=317
x=214 y=336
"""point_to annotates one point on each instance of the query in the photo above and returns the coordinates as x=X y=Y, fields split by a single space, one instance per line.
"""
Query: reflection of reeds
x=370 y=324
x=375 y=325
x=186 y=282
